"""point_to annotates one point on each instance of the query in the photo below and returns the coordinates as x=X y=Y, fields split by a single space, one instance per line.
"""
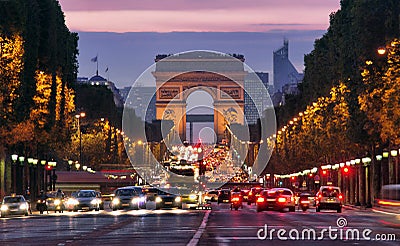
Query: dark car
x=158 y=199
x=253 y=194
x=245 y=195
x=276 y=199
x=224 y=196
x=128 y=197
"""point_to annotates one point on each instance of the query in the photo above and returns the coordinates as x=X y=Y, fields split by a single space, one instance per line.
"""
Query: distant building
x=142 y=99
x=97 y=80
x=260 y=98
x=286 y=77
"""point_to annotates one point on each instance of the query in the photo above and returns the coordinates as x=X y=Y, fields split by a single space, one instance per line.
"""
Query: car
x=253 y=194
x=276 y=199
x=158 y=199
x=131 y=197
x=14 y=205
x=224 y=196
x=84 y=199
x=190 y=201
x=211 y=196
x=55 y=202
x=245 y=195
x=329 y=198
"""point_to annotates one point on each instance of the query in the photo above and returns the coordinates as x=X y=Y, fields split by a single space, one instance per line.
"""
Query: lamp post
x=30 y=176
x=367 y=161
x=21 y=185
x=14 y=158
x=35 y=186
x=43 y=176
x=78 y=117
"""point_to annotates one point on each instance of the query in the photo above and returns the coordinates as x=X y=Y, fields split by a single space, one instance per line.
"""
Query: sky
x=126 y=35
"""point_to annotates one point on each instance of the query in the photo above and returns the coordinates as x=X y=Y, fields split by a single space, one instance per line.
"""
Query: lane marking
x=195 y=240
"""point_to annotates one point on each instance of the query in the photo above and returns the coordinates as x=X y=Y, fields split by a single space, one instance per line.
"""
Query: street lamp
x=77 y=166
x=367 y=161
x=70 y=164
x=43 y=180
x=14 y=158
x=381 y=51
x=21 y=185
x=78 y=117
x=34 y=187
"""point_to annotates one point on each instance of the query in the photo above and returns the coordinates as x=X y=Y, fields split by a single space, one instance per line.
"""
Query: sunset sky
x=161 y=26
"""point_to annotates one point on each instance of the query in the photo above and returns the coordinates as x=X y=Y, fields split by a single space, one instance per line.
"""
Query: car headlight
x=192 y=197
x=135 y=200
x=23 y=206
x=94 y=202
x=178 y=199
x=4 y=207
x=115 y=201
x=72 y=202
x=158 y=199
x=57 y=202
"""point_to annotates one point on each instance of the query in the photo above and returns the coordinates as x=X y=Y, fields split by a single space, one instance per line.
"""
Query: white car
x=329 y=197
x=14 y=205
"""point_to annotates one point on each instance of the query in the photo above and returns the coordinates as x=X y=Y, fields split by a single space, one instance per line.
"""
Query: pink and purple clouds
x=197 y=16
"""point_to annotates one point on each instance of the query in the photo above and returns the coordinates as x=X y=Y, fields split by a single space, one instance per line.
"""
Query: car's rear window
x=330 y=192
x=276 y=193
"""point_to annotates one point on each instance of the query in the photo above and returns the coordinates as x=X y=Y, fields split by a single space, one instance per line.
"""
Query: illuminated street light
x=77 y=165
x=381 y=51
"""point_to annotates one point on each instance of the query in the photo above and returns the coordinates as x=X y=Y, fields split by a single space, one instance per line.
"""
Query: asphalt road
x=219 y=226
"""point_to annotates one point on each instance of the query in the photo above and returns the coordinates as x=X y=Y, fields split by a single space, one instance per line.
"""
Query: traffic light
x=346 y=170
x=48 y=167
x=324 y=172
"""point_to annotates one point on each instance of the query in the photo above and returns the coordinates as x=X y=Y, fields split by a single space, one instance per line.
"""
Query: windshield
x=126 y=192
x=86 y=194
x=13 y=199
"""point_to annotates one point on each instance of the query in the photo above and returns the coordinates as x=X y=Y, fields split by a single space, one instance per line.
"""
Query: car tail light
x=250 y=193
x=292 y=199
x=260 y=199
x=341 y=197
x=281 y=199
x=319 y=196
x=235 y=199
